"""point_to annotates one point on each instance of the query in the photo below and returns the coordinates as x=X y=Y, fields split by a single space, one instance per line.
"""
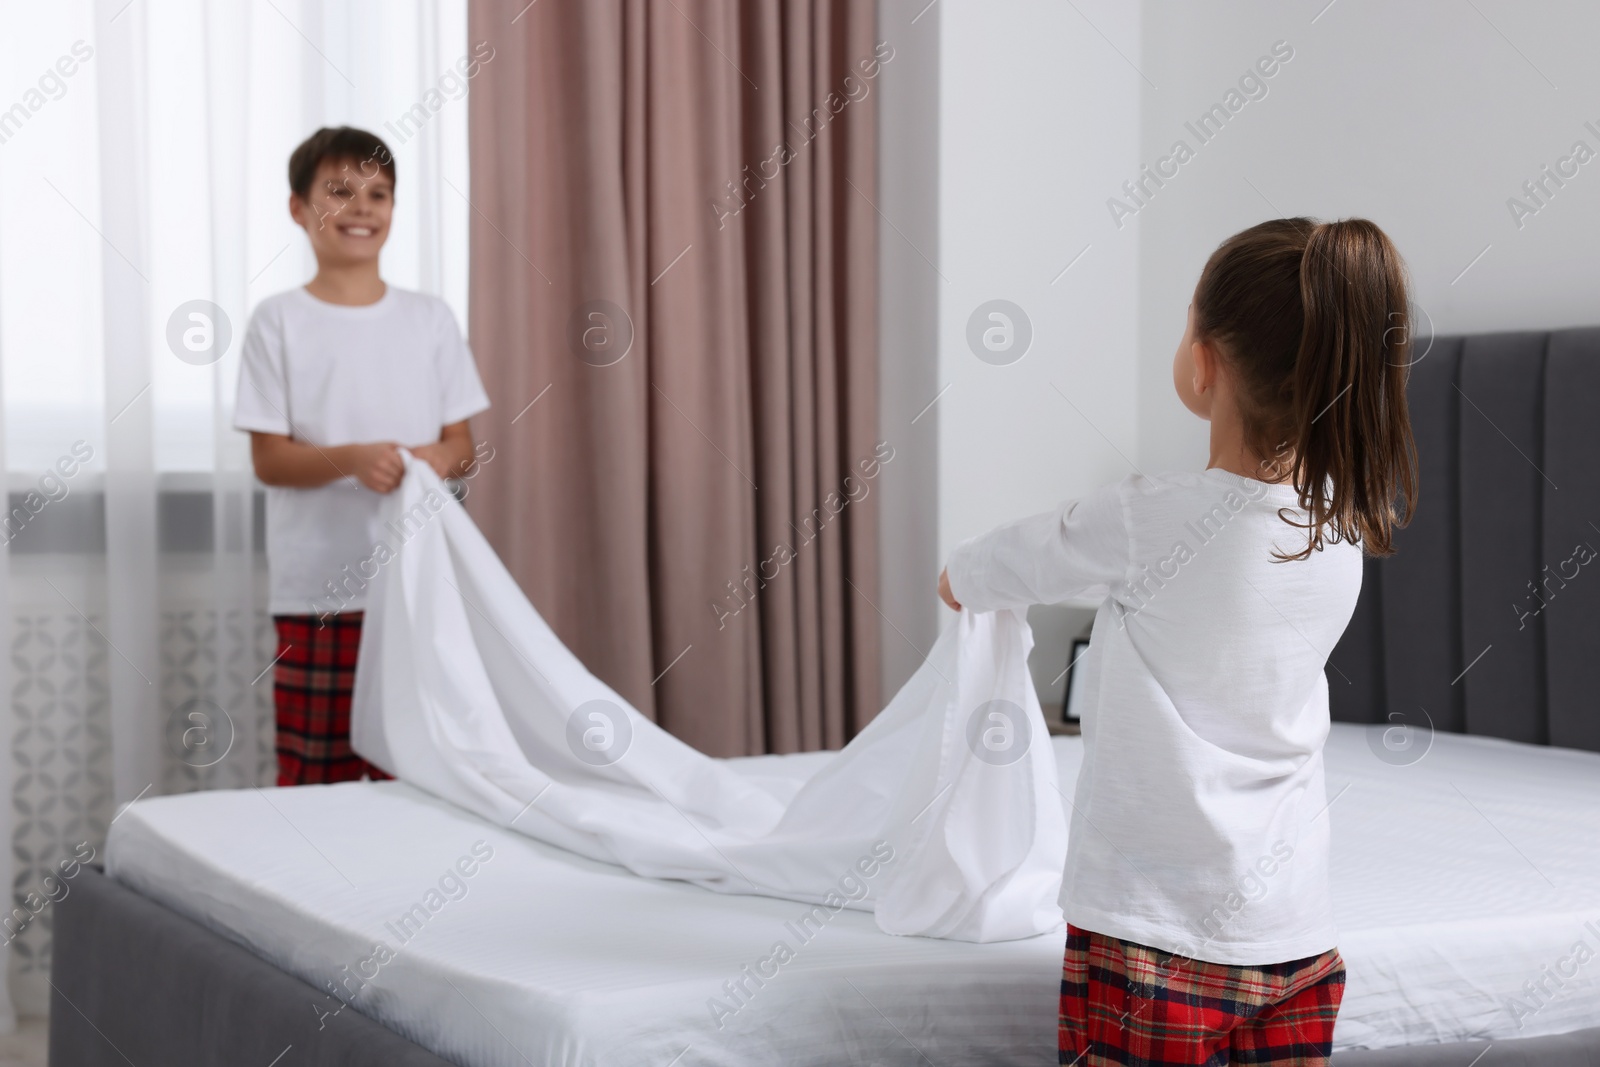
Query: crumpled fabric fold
x=464 y=691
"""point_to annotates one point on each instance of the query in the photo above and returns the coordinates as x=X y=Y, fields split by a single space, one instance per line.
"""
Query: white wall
x=1038 y=122
x=1424 y=116
x=908 y=315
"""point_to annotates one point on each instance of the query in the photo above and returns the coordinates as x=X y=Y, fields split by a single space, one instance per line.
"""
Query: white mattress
x=1457 y=880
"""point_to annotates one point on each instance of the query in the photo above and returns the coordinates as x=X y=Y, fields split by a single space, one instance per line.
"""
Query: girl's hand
x=944 y=591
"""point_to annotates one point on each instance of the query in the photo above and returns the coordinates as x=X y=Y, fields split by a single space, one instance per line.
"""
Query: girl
x=1196 y=888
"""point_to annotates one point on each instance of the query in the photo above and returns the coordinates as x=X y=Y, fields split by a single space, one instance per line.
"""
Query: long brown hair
x=1312 y=318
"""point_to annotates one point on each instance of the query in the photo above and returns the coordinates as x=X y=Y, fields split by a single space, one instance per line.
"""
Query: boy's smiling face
x=347 y=212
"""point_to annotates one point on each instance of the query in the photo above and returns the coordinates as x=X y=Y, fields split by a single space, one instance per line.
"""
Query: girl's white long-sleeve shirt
x=1199 y=824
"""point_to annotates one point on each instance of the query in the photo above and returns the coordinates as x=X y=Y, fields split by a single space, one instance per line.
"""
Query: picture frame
x=1072 y=696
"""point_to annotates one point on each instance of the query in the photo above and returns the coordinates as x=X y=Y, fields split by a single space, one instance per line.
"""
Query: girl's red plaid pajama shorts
x=1133 y=1006
x=311 y=687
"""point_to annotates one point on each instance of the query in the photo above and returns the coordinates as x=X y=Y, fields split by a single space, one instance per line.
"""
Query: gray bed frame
x=1501 y=421
x=1448 y=629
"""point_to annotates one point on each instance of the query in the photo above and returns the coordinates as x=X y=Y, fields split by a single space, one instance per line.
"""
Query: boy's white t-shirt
x=1199 y=824
x=329 y=374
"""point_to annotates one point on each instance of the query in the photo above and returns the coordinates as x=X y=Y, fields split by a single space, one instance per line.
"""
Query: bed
x=1466 y=868
x=539 y=956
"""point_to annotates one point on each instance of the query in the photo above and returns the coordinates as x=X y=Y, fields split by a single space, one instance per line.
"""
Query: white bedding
x=1456 y=880
x=464 y=691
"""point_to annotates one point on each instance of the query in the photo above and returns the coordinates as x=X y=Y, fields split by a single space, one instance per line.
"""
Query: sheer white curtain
x=143 y=151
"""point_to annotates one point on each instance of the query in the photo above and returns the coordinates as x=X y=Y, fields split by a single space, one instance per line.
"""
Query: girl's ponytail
x=1355 y=461
x=1313 y=318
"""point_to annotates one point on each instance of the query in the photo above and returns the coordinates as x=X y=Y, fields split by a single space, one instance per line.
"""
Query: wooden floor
x=26 y=1047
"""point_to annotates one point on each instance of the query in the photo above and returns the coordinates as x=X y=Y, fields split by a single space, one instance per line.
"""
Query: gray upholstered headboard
x=1488 y=615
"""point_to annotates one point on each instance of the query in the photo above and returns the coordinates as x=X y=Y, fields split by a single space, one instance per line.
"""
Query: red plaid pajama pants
x=1133 y=1006
x=311 y=687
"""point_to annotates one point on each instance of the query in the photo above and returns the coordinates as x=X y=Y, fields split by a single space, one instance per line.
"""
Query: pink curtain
x=674 y=309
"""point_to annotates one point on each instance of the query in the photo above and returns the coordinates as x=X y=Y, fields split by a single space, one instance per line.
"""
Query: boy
x=336 y=377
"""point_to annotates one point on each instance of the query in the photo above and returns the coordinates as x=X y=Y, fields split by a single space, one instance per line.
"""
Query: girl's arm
x=1080 y=549
x=944 y=591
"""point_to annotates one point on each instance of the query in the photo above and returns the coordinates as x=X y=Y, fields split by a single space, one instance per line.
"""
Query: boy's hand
x=451 y=456
x=377 y=466
x=944 y=591
x=438 y=457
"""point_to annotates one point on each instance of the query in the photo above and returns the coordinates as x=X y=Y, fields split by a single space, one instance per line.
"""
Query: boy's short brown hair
x=365 y=151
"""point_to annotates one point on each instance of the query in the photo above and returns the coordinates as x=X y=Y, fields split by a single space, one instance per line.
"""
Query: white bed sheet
x=1457 y=880
x=463 y=690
